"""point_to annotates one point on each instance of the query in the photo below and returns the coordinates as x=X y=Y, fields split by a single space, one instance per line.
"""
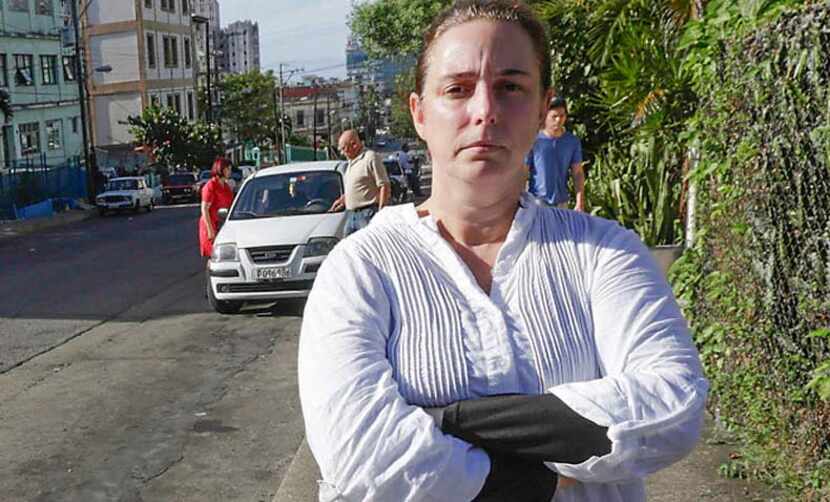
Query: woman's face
x=482 y=104
x=226 y=172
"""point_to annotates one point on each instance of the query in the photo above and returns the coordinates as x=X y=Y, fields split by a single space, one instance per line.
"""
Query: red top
x=220 y=195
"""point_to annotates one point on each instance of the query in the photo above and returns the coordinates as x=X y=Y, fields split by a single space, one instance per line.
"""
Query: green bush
x=756 y=287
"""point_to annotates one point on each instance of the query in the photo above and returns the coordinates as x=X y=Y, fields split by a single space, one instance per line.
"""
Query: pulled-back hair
x=218 y=165
x=508 y=11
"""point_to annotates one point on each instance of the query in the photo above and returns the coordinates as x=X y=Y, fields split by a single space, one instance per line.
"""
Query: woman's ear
x=416 y=109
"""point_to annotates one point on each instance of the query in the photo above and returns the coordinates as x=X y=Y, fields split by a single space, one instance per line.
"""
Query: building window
x=177 y=103
x=23 y=70
x=168 y=5
x=75 y=121
x=151 y=50
x=185 y=6
x=300 y=118
x=19 y=5
x=171 y=52
x=30 y=138
x=187 y=53
x=49 y=70
x=4 y=73
x=155 y=101
x=43 y=7
x=148 y=4
x=53 y=135
x=191 y=111
x=320 y=118
x=68 y=68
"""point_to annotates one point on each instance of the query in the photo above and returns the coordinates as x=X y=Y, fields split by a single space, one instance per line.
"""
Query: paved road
x=118 y=383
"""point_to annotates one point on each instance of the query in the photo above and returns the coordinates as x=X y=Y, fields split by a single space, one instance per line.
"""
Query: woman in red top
x=216 y=194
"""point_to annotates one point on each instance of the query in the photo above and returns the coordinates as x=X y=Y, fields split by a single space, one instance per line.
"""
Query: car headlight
x=319 y=246
x=224 y=252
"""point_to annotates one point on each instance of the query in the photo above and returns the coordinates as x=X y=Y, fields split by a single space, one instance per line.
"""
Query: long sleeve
x=652 y=393
x=369 y=443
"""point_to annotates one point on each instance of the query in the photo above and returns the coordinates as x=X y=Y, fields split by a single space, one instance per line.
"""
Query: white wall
x=118 y=50
x=111 y=11
x=111 y=113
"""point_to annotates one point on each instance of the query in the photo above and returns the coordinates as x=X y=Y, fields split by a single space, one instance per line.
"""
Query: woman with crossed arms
x=479 y=346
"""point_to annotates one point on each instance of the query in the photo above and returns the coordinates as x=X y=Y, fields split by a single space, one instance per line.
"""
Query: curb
x=300 y=481
x=16 y=228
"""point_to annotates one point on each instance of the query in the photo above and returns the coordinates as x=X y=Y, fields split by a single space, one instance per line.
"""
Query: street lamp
x=203 y=20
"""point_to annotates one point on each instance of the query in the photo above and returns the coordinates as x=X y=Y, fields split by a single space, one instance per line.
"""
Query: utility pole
x=276 y=118
x=314 y=120
x=89 y=160
x=283 y=79
x=328 y=126
x=283 y=152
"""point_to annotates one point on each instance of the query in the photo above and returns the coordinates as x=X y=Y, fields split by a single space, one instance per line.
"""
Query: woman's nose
x=483 y=106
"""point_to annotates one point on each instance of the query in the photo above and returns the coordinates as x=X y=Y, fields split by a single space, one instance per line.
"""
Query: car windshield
x=123 y=185
x=181 y=179
x=310 y=192
x=392 y=167
x=204 y=175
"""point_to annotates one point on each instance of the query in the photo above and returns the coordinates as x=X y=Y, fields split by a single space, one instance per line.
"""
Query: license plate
x=272 y=273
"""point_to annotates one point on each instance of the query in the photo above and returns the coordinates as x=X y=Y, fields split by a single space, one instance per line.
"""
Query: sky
x=303 y=33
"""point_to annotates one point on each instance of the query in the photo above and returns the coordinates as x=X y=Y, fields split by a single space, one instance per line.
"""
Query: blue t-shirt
x=550 y=163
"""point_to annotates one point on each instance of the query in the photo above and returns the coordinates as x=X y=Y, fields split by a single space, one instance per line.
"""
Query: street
x=117 y=381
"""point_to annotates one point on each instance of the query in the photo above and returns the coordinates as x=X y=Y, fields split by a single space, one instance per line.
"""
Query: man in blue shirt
x=556 y=154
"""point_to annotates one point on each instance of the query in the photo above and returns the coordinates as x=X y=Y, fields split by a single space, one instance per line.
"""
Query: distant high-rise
x=240 y=47
x=209 y=9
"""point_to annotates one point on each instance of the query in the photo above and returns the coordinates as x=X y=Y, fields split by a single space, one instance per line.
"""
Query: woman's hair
x=218 y=165
x=508 y=11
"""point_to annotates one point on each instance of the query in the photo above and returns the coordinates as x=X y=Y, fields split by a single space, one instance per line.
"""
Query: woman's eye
x=455 y=90
x=511 y=87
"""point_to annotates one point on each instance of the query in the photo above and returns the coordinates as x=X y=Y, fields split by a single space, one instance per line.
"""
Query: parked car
x=126 y=193
x=400 y=185
x=180 y=186
x=204 y=177
x=277 y=233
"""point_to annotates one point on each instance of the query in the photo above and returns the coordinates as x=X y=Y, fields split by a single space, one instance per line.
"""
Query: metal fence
x=29 y=182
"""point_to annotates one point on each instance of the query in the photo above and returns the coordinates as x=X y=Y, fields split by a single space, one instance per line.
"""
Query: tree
x=5 y=105
x=248 y=106
x=402 y=126
x=388 y=28
x=171 y=140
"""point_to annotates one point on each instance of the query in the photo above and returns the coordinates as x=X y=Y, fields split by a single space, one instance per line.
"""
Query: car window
x=123 y=185
x=311 y=192
x=204 y=175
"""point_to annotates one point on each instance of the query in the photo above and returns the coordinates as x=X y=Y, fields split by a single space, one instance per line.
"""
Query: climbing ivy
x=756 y=286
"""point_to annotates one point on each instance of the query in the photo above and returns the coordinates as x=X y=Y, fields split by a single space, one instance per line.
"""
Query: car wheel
x=224 y=307
x=102 y=211
x=151 y=206
x=137 y=206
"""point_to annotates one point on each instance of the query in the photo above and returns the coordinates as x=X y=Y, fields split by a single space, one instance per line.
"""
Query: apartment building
x=240 y=47
x=139 y=53
x=37 y=70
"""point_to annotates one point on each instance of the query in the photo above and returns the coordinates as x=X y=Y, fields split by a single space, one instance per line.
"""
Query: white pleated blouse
x=396 y=322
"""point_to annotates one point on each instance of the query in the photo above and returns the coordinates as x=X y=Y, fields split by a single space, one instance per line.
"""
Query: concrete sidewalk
x=15 y=228
x=693 y=479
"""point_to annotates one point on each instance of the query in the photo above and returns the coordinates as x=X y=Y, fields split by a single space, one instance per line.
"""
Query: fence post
x=691 y=202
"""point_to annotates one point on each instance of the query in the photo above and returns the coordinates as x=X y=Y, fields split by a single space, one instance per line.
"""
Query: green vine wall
x=756 y=286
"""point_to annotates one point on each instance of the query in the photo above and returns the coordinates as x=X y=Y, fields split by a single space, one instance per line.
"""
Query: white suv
x=277 y=233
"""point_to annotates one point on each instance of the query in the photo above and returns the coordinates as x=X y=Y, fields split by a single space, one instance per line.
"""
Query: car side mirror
x=222 y=213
